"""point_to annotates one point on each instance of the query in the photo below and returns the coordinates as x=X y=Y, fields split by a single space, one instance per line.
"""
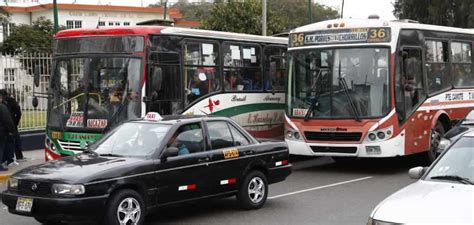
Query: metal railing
x=16 y=76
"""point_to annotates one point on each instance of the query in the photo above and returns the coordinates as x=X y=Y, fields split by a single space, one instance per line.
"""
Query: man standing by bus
x=7 y=128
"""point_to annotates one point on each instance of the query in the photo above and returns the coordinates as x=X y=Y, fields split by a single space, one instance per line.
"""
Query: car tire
x=125 y=206
x=48 y=222
x=436 y=134
x=253 y=191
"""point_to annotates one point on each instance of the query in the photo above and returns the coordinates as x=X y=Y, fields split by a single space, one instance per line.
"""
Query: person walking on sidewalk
x=7 y=128
x=15 y=112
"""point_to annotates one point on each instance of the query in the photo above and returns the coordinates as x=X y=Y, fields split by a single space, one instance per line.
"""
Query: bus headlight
x=68 y=189
x=292 y=134
x=380 y=135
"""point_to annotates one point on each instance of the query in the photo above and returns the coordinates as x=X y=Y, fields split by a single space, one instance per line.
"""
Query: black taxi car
x=149 y=163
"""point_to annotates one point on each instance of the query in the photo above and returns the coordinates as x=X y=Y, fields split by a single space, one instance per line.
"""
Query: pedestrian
x=7 y=128
x=15 y=112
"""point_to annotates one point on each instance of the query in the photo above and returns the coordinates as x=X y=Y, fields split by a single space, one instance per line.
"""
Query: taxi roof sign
x=153 y=116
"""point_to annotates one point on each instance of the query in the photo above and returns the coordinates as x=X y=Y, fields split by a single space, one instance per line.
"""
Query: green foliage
x=295 y=13
x=455 y=13
x=35 y=38
x=193 y=11
x=241 y=17
x=245 y=16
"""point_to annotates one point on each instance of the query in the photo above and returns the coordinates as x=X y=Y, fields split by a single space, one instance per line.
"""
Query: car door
x=230 y=151
x=183 y=177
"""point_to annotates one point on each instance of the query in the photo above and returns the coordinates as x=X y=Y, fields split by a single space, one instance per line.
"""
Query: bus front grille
x=70 y=145
x=331 y=149
x=333 y=136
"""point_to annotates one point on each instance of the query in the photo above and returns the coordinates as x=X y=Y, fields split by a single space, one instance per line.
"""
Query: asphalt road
x=318 y=192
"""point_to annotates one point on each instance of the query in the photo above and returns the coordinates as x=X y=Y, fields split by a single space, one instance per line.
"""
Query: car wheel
x=436 y=135
x=125 y=207
x=48 y=222
x=253 y=191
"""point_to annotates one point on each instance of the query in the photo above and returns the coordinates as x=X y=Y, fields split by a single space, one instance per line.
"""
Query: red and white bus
x=374 y=88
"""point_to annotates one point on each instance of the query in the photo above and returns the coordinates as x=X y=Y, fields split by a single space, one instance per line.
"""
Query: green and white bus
x=103 y=77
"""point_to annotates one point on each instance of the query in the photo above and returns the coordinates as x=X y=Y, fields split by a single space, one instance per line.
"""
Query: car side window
x=219 y=134
x=188 y=139
x=239 y=138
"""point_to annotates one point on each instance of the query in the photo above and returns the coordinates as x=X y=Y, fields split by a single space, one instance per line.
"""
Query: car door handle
x=249 y=152
x=204 y=159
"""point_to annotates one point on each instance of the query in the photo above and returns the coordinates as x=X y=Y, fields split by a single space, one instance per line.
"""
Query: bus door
x=413 y=92
x=164 y=93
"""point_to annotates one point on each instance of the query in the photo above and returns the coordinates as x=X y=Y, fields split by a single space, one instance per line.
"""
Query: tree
x=294 y=13
x=241 y=17
x=456 y=13
x=193 y=11
x=37 y=37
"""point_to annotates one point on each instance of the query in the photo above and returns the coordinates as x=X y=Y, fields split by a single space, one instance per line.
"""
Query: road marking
x=318 y=188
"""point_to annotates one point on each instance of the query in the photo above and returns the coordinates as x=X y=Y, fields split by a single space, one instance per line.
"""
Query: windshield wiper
x=462 y=180
x=315 y=101
x=343 y=84
x=88 y=151
x=111 y=155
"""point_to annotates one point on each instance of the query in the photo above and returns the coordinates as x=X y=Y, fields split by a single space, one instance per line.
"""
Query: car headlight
x=12 y=183
x=378 y=222
x=68 y=189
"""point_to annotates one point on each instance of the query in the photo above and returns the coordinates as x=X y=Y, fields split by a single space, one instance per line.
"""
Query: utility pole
x=166 y=7
x=310 y=11
x=264 y=17
x=342 y=10
x=55 y=13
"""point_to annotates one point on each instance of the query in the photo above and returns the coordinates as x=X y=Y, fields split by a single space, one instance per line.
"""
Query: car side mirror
x=417 y=172
x=170 y=152
x=36 y=75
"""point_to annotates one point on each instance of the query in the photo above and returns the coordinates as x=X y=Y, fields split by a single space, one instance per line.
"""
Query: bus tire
x=253 y=191
x=435 y=137
x=125 y=206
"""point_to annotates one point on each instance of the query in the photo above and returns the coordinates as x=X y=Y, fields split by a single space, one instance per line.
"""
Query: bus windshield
x=340 y=83
x=92 y=93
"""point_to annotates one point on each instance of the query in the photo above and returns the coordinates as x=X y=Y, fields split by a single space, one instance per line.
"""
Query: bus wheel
x=436 y=134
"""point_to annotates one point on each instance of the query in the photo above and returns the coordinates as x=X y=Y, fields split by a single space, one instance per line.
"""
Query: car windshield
x=457 y=164
x=338 y=83
x=94 y=93
x=132 y=139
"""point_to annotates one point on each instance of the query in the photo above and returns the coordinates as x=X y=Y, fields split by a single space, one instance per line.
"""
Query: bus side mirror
x=36 y=75
x=35 y=101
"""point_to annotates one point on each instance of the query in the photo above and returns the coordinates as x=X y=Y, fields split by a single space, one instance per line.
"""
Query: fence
x=16 y=76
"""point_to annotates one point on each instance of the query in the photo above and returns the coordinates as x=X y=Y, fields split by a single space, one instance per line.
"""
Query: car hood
x=429 y=202
x=77 y=169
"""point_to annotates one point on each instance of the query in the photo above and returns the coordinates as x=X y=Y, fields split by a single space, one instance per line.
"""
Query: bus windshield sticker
x=97 y=123
x=76 y=120
x=299 y=112
x=357 y=35
x=207 y=49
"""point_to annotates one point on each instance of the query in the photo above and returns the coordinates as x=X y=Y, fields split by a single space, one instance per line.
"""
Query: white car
x=443 y=195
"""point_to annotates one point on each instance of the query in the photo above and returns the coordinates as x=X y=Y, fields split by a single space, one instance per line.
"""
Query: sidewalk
x=34 y=157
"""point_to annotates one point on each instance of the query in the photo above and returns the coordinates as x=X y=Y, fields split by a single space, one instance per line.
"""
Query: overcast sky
x=352 y=8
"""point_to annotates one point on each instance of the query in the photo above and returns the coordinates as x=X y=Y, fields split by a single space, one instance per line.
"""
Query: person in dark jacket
x=15 y=112
x=7 y=128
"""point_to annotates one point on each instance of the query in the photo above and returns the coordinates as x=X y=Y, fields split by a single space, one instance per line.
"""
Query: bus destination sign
x=356 y=35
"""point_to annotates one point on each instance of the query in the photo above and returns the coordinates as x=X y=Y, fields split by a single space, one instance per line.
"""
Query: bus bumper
x=388 y=148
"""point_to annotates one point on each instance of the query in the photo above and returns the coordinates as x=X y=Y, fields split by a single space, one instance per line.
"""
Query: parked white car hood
x=429 y=202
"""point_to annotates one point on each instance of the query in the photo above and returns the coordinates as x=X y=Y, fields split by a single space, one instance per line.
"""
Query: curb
x=4 y=177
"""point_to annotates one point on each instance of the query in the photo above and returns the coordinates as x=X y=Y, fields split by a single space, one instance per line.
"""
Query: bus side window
x=411 y=88
x=275 y=68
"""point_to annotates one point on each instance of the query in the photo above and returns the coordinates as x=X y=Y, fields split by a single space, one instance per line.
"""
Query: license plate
x=24 y=204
